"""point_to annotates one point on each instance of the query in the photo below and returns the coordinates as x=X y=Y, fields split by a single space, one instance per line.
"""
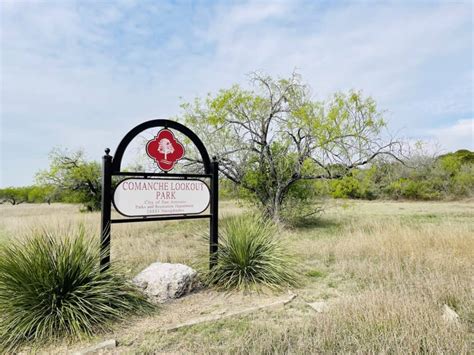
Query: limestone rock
x=162 y=282
x=319 y=307
x=449 y=315
x=98 y=348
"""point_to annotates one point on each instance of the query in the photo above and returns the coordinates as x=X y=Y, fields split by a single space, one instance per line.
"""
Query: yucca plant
x=251 y=256
x=51 y=287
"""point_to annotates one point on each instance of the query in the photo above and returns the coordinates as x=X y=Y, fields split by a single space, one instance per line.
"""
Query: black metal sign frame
x=111 y=167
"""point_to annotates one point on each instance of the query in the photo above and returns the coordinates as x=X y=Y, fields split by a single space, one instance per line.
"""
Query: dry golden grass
x=384 y=268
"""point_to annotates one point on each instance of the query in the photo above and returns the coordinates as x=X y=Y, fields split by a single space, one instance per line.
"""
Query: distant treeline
x=36 y=194
x=448 y=176
x=72 y=179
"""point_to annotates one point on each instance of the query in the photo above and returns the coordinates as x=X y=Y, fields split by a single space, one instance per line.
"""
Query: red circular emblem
x=165 y=149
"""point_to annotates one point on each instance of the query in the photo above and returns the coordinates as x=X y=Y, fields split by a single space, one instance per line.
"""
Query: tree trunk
x=276 y=207
x=276 y=213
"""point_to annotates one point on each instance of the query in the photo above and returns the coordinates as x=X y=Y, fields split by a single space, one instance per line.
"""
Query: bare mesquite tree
x=269 y=139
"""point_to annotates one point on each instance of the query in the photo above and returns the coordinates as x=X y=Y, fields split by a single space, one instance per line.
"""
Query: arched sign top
x=157 y=196
x=117 y=159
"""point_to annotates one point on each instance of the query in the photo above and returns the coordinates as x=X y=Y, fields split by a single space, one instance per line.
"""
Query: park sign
x=142 y=196
x=161 y=197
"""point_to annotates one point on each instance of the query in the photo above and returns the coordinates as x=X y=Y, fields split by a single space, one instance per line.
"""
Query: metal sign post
x=191 y=195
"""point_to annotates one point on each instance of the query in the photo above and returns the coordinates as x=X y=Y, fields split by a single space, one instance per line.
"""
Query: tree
x=14 y=195
x=165 y=147
x=28 y=194
x=73 y=176
x=270 y=139
x=41 y=194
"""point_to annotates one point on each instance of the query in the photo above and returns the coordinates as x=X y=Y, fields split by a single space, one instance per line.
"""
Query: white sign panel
x=160 y=197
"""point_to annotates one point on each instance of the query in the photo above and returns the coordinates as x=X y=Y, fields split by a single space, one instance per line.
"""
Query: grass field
x=385 y=269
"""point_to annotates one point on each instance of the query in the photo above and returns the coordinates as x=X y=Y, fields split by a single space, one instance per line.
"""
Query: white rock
x=449 y=315
x=163 y=281
x=319 y=307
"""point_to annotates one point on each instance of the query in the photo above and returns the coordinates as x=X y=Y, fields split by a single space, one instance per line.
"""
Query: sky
x=82 y=74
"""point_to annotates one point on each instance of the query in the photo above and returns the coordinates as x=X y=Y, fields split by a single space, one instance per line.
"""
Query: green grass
x=251 y=255
x=315 y=274
x=51 y=287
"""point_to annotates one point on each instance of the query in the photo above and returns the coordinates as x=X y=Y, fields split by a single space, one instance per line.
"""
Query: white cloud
x=83 y=75
x=458 y=136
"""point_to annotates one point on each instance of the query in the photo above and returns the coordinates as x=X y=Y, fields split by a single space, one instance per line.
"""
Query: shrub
x=359 y=184
x=303 y=204
x=52 y=287
x=301 y=213
x=251 y=256
x=463 y=183
x=413 y=189
x=347 y=187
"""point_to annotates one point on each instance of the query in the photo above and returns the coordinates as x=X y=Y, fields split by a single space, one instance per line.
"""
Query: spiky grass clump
x=251 y=256
x=51 y=287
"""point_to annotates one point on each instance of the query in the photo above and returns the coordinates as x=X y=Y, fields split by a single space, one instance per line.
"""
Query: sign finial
x=107 y=151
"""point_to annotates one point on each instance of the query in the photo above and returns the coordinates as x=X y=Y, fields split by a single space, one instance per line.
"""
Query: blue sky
x=81 y=74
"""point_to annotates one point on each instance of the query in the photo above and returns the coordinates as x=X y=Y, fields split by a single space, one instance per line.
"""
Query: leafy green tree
x=270 y=139
x=14 y=195
x=75 y=178
x=457 y=170
x=28 y=194
x=41 y=194
x=463 y=181
x=464 y=156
